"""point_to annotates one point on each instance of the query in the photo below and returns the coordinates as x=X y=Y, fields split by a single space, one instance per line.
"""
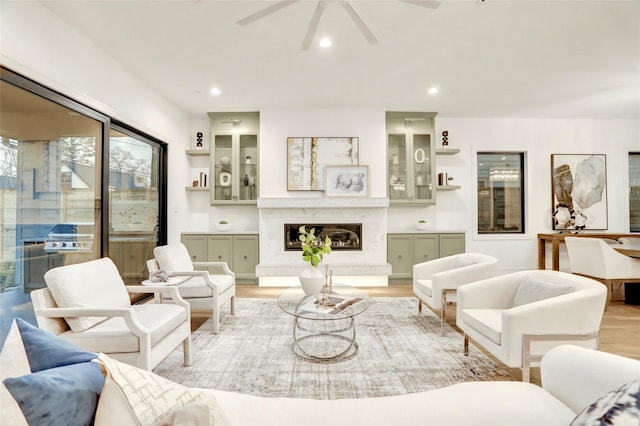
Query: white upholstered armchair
x=204 y=291
x=519 y=316
x=594 y=258
x=89 y=305
x=435 y=282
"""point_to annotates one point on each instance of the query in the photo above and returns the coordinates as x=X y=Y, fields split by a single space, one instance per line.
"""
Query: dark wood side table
x=557 y=238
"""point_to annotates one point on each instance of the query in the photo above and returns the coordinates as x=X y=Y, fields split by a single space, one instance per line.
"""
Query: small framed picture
x=347 y=181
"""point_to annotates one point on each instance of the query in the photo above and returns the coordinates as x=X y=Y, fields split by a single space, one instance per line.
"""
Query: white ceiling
x=543 y=59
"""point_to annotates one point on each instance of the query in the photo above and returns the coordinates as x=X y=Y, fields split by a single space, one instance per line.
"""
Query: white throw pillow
x=462 y=261
x=173 y=257
x=532 y=290
x=138 y=396
x=76 y=286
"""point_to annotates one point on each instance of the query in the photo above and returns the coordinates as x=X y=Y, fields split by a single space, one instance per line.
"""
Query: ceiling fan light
x=325 y=42
x=215 y=91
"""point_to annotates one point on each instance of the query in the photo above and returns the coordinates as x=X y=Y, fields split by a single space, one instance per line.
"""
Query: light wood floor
x=619 y=331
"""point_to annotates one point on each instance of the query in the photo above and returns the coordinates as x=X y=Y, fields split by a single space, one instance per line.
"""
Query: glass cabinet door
x=223 y=168
x=410 y=168
x=397 y=158
x=423 y=189
x=248 y=175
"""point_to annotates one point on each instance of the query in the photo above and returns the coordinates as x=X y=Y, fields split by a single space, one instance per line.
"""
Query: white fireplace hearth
x=367 y=266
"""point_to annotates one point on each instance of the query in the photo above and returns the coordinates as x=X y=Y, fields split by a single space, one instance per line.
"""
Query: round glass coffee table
x=324 y=333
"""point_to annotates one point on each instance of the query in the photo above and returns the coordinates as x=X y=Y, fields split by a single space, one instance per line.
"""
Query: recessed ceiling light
x=432 y=91
x=325 y=42
x=215 y=91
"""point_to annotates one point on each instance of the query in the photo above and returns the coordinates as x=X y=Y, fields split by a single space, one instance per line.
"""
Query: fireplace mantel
x=322 y=203
x=367 y=266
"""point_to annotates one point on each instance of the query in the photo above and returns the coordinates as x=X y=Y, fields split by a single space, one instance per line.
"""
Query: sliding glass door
x=135 y=171
x=74 y=186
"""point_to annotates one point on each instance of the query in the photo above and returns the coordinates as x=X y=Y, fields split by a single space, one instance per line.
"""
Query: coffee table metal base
x=324 y=341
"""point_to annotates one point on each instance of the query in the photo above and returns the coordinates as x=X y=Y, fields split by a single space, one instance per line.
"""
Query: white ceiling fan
x=355 y=15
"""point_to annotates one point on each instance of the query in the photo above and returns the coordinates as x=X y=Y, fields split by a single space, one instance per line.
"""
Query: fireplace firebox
x=344 y=236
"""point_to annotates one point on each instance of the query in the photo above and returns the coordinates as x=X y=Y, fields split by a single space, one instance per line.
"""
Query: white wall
x=538 y=138
x=38 y=45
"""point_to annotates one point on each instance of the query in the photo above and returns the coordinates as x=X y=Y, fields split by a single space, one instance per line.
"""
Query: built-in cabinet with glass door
x=411 y=158
x=234 y=158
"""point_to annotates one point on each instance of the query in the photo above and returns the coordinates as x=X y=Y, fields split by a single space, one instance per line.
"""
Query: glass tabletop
x=343 y=302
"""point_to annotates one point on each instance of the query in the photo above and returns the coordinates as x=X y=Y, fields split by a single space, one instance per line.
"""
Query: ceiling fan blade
x=431 y=4
x=266 y=11
x=360 y=23
x=313 y=25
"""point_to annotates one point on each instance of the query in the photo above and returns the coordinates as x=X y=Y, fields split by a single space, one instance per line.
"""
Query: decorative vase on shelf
x=312 y=280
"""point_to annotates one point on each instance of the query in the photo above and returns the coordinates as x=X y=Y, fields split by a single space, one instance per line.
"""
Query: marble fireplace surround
x=368 y=266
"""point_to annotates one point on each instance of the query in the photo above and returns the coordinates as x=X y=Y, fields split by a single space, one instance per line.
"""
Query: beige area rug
x=401 y=351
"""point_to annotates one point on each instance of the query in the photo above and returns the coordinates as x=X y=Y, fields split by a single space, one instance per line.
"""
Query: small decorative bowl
x=223 y=226
x=422 y=226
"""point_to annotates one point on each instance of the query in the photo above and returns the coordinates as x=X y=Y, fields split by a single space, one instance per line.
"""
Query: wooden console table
x=557 y=238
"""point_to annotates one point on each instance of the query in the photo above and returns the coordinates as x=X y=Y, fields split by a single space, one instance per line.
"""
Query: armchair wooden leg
x=419 y=306
x=233 y=305
x=466 y=344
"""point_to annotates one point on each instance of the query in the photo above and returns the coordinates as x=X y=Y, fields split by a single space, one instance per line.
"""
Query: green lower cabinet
x=240 y=251
x=451 y=244
x=406 y=250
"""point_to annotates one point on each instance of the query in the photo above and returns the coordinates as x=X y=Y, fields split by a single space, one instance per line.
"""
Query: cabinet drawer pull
x=245 y=257
x=219 y=257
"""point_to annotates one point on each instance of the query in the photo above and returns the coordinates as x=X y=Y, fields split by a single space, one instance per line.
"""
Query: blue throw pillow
x=44 y=350
x=64 y=386
x=63 y=396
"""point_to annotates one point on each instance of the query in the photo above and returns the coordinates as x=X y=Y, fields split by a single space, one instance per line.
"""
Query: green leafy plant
x=223 y=222
x=313 y=247
x=422 y=221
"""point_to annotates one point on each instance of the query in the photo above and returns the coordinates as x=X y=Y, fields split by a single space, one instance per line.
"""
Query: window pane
x=133 y=203
x=634 y=191
x=500 y=192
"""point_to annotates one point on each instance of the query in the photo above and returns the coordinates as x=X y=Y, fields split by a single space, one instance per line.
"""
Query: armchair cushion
x=113 y=335
x=61 y=384
x=68 y=286
x=618 y=407
x=488 y=322
x=148 y=398
x=426 y=286
x=174 y=257
x=532 y=290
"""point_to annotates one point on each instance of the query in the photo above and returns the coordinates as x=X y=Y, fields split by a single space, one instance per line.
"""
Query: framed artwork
x=307 y=158
x=579 y=191
x=347 y=181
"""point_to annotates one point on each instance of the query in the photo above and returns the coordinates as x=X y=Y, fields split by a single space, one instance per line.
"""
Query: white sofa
x=572 y=378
